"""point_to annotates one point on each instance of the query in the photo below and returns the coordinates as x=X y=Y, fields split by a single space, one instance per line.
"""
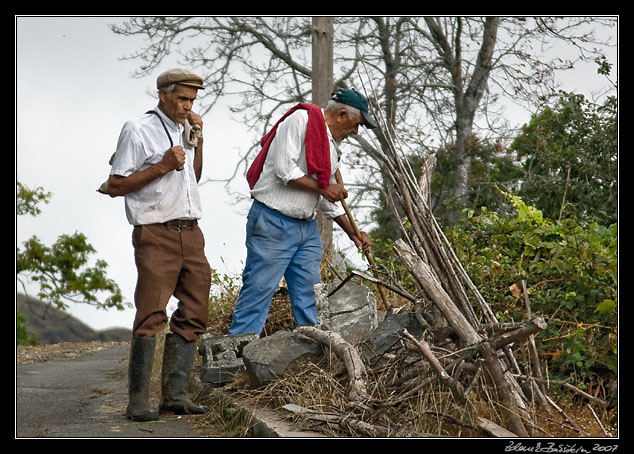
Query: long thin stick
x=358 y=234
x=563 y=202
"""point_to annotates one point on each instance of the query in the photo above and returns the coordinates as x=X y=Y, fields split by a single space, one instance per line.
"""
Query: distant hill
x=51 y=325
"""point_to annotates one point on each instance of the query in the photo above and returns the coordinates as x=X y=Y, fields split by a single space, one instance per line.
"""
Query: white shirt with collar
x=286 y=161
x=143 y=143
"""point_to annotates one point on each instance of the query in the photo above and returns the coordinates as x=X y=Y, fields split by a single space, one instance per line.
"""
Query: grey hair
x=352 y=112
x=169 y=89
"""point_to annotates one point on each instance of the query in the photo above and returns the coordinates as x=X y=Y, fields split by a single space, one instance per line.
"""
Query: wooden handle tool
x=358 y=234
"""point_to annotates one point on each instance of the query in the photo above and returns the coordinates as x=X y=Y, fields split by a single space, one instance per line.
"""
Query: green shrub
x=22 y=336
x=570 y=271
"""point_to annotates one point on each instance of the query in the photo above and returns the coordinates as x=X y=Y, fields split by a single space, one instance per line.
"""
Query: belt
x=182 y=223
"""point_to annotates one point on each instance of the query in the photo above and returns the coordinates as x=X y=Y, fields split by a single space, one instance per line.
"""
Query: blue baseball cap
x=353 y=98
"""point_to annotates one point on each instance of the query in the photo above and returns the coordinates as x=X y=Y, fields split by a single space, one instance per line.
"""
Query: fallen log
x=519 y=334
x=493 y=429
x=492 y=364
x=367 y=429
x=348 y=354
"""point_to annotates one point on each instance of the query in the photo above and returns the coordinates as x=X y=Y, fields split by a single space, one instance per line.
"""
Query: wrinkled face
x=343 y=125
x=178 y=103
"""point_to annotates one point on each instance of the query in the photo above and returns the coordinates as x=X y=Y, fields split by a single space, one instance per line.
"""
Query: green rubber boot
x=177 y=363
x=139 y=373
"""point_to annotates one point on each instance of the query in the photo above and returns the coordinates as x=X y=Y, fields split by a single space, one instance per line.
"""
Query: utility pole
x=323 y=79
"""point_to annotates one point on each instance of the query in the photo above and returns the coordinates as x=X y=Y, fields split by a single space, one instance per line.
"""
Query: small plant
x=22 y=336
x=223 y=295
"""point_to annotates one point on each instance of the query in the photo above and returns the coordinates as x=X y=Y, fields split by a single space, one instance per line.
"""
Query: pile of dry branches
x=442 y=280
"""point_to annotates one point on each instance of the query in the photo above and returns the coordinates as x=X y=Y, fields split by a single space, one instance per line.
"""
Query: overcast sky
x=73 y=94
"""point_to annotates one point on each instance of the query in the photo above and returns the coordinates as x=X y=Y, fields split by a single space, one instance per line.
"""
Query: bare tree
x=438 y=80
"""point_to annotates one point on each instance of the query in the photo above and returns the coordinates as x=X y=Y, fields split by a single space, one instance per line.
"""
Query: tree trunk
x=468 y=90
x=460 y=190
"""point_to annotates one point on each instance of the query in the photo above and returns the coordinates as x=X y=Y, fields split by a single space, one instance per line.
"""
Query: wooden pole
x=322 y=85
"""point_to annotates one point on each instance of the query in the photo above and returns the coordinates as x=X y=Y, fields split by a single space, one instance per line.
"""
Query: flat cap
x=179 y=76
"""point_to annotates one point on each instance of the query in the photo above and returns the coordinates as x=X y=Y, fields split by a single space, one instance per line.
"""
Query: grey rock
x=222 y=356
x=350 y=311
x=277 y=355
x=389 y=332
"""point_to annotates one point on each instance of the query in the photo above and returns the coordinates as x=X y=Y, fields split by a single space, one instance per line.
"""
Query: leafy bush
x=573 y=144
x=570 y=271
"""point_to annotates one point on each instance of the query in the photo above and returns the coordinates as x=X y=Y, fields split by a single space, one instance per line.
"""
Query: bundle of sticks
x=429 y=257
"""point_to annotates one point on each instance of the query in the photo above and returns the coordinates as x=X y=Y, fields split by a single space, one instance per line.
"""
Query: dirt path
x=83 y=396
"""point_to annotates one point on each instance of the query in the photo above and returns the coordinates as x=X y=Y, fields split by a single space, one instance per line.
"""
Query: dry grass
x=431 y=411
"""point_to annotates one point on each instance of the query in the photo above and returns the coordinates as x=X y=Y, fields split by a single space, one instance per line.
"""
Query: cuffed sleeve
x=331 y=210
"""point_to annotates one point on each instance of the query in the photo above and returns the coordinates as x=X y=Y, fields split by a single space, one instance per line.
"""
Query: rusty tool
x=358 y=234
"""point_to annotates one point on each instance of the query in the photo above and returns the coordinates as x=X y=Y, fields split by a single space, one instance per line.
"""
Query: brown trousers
x=170 y=261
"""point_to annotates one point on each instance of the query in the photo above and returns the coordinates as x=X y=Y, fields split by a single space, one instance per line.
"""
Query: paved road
x=84 y=397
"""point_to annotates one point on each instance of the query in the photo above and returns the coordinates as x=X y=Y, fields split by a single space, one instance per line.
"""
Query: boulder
x=277 y=355
x=350 y=311
x=389 y=332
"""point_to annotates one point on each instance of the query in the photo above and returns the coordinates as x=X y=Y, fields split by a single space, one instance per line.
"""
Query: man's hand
x=362 y=243
x=334 y=192
x=174 y=158
x=119 y=185
x=195 y=119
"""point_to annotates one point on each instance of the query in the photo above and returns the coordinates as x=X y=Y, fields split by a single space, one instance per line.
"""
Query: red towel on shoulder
x=316 y=144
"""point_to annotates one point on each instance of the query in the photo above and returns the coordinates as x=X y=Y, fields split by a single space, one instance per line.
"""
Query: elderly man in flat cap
x=156 y=168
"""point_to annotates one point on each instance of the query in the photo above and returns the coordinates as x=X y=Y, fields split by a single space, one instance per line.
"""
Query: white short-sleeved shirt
x=286 y=161
x=143 y=143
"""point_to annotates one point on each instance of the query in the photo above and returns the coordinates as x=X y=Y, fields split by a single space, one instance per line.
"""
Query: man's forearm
x=343 y=222
x=334 y=192
x=362 y=240
x=118 y=185
x=306 y=183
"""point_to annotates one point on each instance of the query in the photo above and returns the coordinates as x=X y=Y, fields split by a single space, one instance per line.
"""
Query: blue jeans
x=277 y=246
